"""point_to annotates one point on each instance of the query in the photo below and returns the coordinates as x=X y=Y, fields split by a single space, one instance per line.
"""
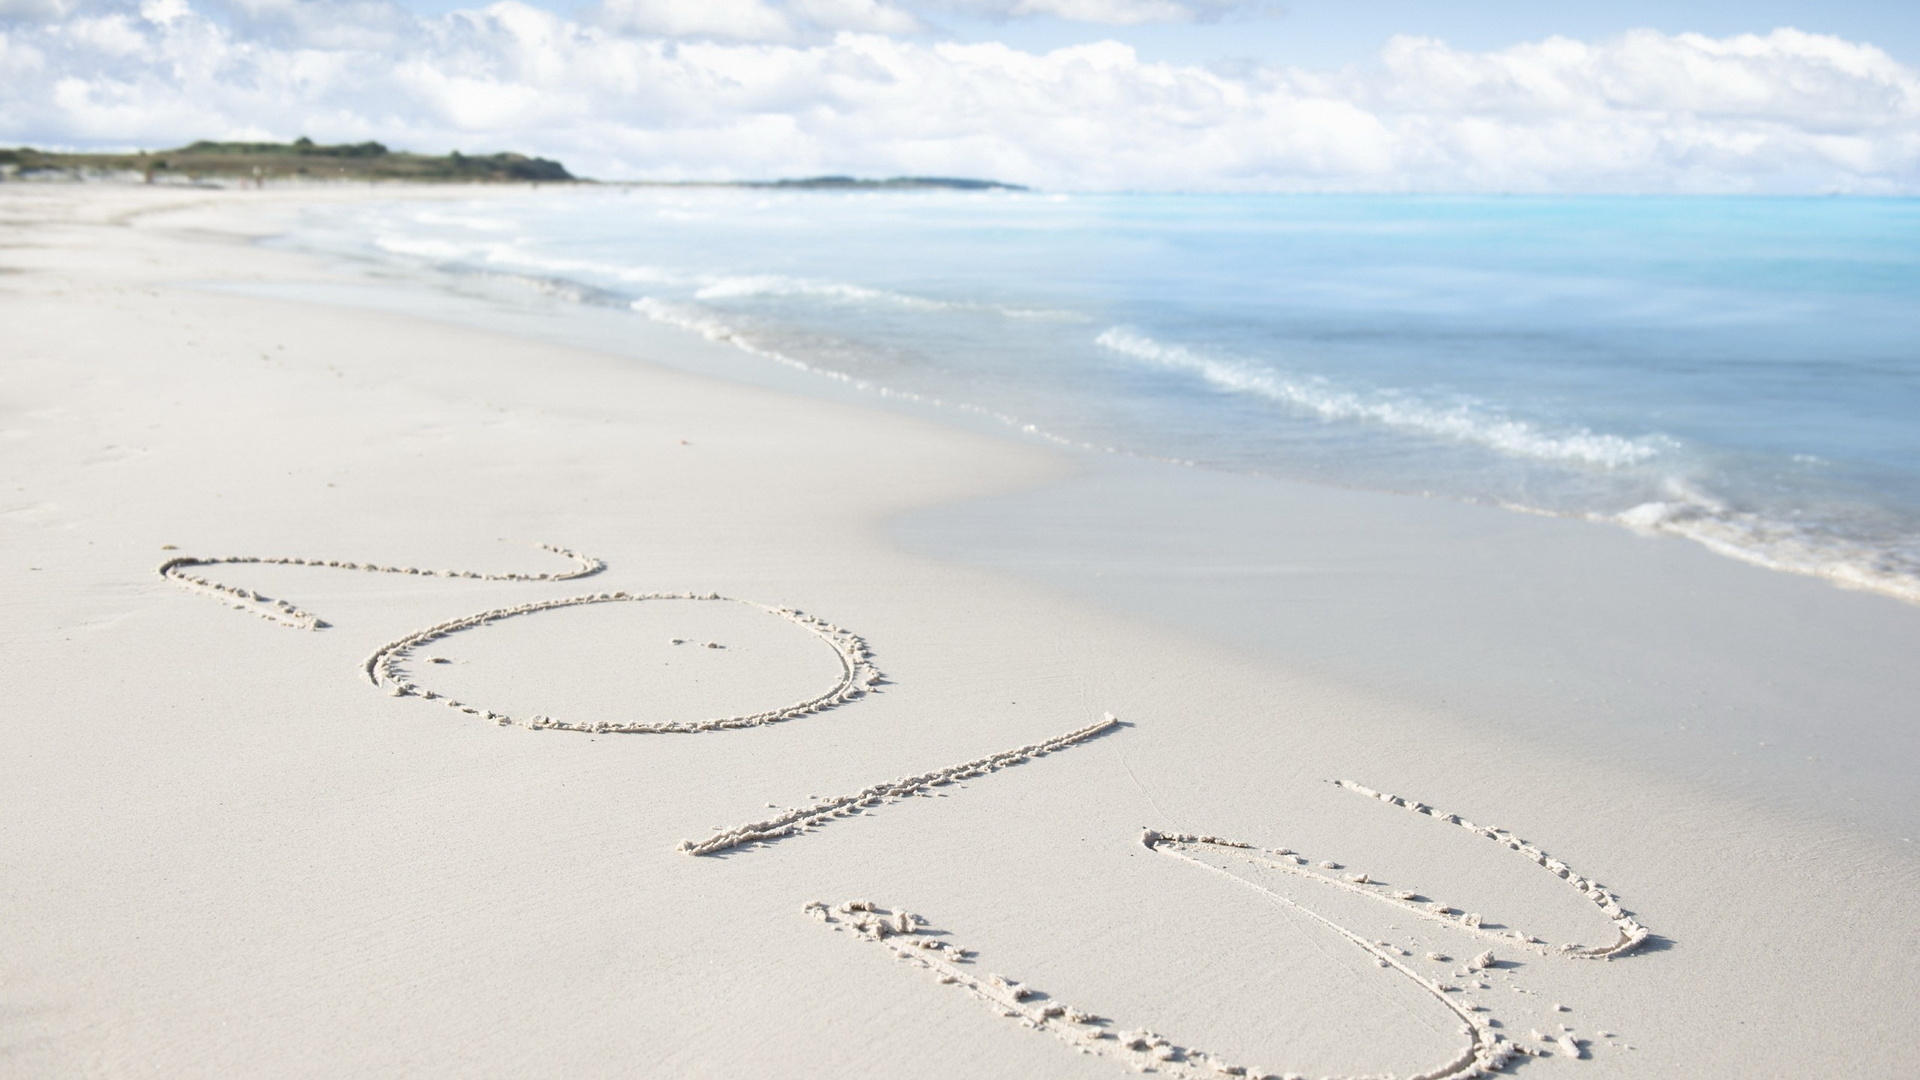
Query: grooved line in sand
x=797 y=821
x=857 y=672
x=910 y=939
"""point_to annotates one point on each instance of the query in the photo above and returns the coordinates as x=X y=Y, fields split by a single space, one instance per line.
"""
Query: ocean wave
x=747 y=286
x=425 y=247
x=463 y=221
x=1789 y=547
x=703 y=285
x=708 y=324
x=512 y=255
x=1466 y=423
x=755 y=285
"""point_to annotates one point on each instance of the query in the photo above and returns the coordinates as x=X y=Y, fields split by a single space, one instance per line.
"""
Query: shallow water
x=1742 y=371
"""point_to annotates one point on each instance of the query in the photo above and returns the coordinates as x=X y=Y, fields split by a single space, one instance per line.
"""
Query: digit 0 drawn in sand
x=857 y=672
x=909 y=938
x=797 y=821
x=1486 y=1049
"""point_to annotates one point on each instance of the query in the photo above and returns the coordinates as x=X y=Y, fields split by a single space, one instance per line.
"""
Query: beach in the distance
x=426 y=663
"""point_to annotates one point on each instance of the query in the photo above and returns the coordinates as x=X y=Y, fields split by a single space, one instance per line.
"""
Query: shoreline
x=236 y=859
x=1774 y=537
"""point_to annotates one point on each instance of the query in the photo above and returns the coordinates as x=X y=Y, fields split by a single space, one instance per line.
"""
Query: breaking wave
x=1464 y=422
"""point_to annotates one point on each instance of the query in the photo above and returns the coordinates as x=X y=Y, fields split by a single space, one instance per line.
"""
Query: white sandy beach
x=226 y=853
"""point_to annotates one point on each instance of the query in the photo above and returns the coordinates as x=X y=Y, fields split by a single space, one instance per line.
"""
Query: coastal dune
x=734 y=783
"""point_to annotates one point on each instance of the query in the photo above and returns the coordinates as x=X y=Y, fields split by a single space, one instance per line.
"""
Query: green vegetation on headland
x=305 y=160
x=302 y=159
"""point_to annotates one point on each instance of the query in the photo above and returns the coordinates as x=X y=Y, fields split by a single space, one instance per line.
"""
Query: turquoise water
x=1743 y=371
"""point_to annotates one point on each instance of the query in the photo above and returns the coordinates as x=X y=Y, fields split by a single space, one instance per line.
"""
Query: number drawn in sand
x=910 y=938
x=805 y=819
x=180 y=571
x=1631 y=935
x=857 y=673
x=1485 y=1049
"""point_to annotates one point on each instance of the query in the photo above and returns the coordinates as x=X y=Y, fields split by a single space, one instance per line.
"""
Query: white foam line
x=857 y=672
x=1785 y=547
x=286 y=614
x=1631 y=933
x=908 y=937
x=1462 y=423
x=794 y=822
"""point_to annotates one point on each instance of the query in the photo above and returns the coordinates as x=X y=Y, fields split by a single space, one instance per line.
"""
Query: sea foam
x=1460 y=422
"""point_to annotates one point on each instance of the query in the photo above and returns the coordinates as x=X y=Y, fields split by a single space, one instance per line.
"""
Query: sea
x=1740 y=371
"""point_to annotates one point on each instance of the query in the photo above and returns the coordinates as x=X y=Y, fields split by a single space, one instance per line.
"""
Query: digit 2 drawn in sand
x=857 y=672
x=1486 y=1050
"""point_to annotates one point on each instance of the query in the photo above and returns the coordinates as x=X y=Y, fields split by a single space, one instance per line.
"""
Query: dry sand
x=244 y=846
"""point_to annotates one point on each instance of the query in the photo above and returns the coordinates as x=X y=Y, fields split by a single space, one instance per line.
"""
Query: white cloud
x=751 y=20
x=742 y=20
x=861 y=16
x=739 y=96
x=164 y=12
x=1110 y=12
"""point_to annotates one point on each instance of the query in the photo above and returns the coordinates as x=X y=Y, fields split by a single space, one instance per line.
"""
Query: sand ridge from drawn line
x=800 y=820
x=857 y=676
x=910 y=938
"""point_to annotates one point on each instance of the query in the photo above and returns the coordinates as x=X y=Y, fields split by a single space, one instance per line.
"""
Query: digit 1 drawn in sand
x=857 y=671
x=794 y=822
x=909 y=938
x=284 y=613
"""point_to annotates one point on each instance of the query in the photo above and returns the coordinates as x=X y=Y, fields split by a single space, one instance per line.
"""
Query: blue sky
x=1362 y=95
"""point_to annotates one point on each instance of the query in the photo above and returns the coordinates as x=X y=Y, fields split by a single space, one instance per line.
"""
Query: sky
x=1766 y=96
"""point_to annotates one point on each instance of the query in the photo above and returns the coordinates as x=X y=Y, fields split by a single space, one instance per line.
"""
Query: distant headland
x=303 y=159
